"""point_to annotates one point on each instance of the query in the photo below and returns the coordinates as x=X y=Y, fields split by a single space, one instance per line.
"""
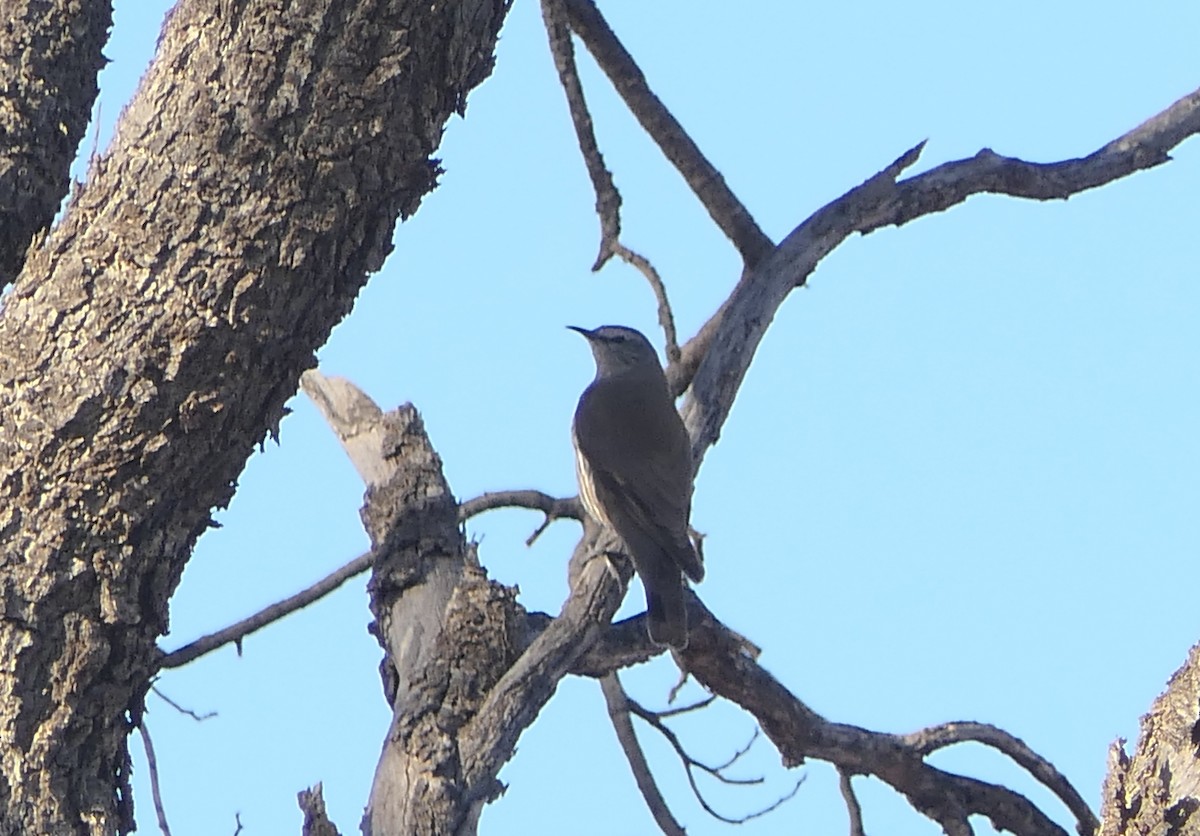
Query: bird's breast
x=587 y=487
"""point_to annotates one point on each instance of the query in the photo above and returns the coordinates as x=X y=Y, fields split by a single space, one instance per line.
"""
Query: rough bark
x=154 y=337
x=50 y=55
x=447 y=632
x=1157 y=790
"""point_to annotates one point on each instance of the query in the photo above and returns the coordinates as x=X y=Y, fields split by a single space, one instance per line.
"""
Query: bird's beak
x=583 y=331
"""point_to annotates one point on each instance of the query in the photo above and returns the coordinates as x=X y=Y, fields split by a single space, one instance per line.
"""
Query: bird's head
x=619 y=349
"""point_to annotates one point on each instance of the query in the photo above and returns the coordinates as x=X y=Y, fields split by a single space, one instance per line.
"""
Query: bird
x=633 y=459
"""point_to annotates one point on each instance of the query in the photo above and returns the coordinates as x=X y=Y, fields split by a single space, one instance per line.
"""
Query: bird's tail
x=666 y=612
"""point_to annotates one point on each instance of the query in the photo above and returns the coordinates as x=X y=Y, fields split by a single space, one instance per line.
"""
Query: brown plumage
x=634 y=462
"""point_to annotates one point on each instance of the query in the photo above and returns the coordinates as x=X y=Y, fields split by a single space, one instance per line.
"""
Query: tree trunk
x=153 y=339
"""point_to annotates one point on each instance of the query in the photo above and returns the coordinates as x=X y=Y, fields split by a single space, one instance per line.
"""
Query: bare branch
x=559 y=508
x=597 y=587
x=687 y=709
x=679 y=375
x=152 y=769
x=884 y=200
x=655 y=720
x=666 y=319
x=608 y=199
x=618 y=711
x=237 y=632
x=621 y=645
x=933 y=738
x=714 y=658
x=853 y=808
x=199 y=718
x=703 y=178
x=554 y=508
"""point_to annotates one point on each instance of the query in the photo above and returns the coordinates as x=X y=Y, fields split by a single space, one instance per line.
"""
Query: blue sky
x=960 y=480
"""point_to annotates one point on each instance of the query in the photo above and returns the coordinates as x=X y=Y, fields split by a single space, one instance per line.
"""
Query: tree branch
x=937 y=737
x=690 y=764
x=152 y=768
x=703 y=178
x=236 y=632
x=714 y=658
x=608 y=199
x=618 y=712
x=885 y=200
x=555 y=508
x=853 y=808
x=666 y=317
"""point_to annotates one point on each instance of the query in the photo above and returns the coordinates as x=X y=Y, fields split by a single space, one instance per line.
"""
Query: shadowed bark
x=50 y=55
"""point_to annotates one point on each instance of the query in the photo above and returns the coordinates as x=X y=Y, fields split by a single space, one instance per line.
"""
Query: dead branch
x=655 y=720
x=553 y=507
x=236 y=632
x=713 y=657
x=152 y=769
x=853 y=808
x=608 y=199
x=199 y=718
x=937 y=737
x=618 y=712
x=666 y=318
x=597 y=589
x=885 y=200
x=699 y=705
x=703 y=178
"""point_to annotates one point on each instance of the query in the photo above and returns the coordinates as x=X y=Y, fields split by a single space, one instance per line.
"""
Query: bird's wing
x=640 y=459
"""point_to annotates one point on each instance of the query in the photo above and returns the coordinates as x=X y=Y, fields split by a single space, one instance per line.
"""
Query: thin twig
x=152 y=769
x=687 y=709
x=558 y=508
x=666 y=319
x=937 y=737
x=566 y=508
x=703 y=178
x=237 y=632
x=691 y=764
x=618 y=713
x=853 y=808
x=199 y=718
